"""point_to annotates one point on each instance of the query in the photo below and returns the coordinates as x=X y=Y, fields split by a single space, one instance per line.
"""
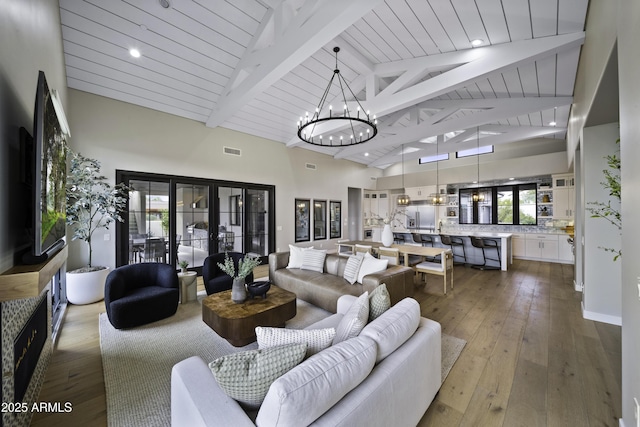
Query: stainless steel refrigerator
x=421 y=216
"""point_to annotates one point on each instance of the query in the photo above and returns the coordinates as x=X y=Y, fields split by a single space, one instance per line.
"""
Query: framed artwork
x=335 y=219
x=319 y=219
x=303 y=220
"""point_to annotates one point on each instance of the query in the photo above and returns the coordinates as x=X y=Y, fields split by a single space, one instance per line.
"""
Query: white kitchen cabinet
x=563 y=180
x=366 y=205
x=542 y=246
x=383 y=204
x=518 y=245
x=564 y=200
x=420 y=193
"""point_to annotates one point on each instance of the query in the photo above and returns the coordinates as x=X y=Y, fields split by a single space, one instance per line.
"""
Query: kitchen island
x=473 y=254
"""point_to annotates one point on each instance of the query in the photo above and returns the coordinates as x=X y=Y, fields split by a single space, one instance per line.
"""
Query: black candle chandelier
x=353 y=128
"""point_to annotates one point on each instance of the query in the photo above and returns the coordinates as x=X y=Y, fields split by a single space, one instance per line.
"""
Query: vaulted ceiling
x=256 y=66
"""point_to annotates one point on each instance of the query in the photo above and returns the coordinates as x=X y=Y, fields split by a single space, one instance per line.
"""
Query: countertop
x=455 y=233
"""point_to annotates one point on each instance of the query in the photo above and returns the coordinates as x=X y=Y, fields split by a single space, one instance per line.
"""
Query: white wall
x=127 y=137
x=628 y=25
x=30 y=41
x=599 y=41
x=602 y=289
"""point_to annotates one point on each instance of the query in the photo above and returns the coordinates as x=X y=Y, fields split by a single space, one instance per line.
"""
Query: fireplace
x=27 y=348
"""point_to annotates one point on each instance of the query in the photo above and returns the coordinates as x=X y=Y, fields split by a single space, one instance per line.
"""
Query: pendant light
x=403 y=199
x=477 y=196
x=437 y=198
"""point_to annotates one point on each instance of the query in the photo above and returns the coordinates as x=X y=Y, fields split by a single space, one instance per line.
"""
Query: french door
x=180 y=219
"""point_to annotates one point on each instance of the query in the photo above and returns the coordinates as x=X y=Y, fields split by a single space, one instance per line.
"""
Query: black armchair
x=216 y=280
x=137 y=294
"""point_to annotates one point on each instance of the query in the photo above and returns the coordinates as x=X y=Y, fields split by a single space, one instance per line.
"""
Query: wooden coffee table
x=237 y=322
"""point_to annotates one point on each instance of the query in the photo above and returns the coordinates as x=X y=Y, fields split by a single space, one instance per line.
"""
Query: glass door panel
x=231 y=208
x=192 y=223
x=148 y=222
x=257 y=229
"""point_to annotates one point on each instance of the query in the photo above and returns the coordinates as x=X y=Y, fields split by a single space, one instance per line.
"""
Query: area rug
x=137 y=362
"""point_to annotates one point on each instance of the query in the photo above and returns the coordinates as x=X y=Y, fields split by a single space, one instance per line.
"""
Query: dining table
x=404 y=250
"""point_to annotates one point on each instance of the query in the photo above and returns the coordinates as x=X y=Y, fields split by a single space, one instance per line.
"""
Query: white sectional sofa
x=401 y=378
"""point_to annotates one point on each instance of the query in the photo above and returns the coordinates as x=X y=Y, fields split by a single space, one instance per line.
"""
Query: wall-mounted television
x=49 y=174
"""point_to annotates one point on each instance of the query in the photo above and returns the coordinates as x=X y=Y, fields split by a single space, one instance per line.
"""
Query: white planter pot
x=86 y=288
x=387 y=235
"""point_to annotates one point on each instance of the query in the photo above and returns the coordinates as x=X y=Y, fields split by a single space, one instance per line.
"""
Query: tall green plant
x=92 y=203
x=612 y=183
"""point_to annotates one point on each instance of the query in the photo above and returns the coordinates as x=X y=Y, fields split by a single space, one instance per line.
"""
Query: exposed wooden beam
x=468 y=65
x=493 y=110
x=316 y=24
x=507 y=134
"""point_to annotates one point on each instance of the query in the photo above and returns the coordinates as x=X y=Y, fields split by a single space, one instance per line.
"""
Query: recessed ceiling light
x=477 y=42
x=165 y=4
x=552 y=123
x=366 y=154
x=134 y=52
x=511 y=179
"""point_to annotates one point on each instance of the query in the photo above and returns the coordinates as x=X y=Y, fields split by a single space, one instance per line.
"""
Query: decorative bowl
x=257 y=289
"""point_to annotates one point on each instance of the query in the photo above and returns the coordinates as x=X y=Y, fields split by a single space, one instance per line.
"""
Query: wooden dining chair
x=443 y=268
x=361 y=249
x=344 y=249
x=391 y=254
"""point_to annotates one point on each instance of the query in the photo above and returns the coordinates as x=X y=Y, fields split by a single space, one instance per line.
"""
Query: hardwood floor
x=530 y=358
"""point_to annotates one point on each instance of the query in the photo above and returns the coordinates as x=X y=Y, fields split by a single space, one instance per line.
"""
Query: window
x=509 y=204
x=474 y=151
x=431 y=159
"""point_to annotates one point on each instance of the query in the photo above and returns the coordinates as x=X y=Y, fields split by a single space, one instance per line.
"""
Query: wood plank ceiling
x=256 y=66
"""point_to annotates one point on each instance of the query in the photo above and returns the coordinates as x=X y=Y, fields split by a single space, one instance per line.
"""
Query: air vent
x=311 y=166
x=232 y=151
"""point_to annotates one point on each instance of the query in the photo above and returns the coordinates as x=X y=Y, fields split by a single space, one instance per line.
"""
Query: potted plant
x=183 y=265
x=613 y=184
x=92 y=203
x=245 y=266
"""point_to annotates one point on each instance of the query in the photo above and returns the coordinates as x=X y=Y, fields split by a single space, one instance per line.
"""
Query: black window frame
x=515 y=188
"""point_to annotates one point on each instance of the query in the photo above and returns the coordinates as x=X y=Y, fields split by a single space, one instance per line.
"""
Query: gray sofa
x=399 y=383
x=324 y=289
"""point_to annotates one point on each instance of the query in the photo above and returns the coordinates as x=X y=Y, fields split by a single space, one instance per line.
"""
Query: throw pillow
x=353 y=320
x=316 y=339
x=247 y=376
x=379 y=301
x=371 y=265
x=394 y=327
x=352 y=268
x=310 y=389
x=295 y=256
x=313 y=259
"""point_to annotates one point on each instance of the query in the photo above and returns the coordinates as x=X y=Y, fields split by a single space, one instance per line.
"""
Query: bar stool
x=484 y=244
x=398 y=238
x=454 y=241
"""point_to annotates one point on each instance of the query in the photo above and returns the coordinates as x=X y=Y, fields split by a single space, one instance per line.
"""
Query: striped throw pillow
x=313 y=259
x=352 y=268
